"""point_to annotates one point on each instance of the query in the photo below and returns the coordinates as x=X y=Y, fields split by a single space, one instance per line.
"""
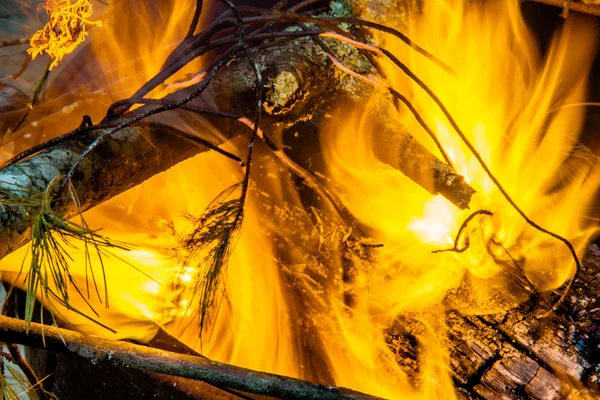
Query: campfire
x=352 y=199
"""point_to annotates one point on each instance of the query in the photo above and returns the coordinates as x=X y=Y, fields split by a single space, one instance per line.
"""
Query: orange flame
x=65 y=30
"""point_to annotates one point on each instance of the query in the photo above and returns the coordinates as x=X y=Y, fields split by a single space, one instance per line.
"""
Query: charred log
x=515 y=355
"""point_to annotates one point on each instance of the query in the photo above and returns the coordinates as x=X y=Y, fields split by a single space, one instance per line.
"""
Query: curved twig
x=465 y=223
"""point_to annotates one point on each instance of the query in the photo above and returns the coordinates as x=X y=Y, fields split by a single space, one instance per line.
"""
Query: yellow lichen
x=65 y=30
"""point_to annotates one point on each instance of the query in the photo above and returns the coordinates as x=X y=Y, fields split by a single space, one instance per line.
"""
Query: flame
x=509 y=101
x=65 y=30
x=122 y=46
x=287 y=306
x=508 y=104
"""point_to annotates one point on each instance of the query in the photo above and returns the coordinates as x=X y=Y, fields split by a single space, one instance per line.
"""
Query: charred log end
x=395 y=146
x=282 y=94
x=452 y=186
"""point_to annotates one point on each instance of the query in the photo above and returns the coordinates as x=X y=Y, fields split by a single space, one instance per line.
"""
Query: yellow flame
x=65 y=30
x=510 y=102
x=503 y=98
x=130 y=52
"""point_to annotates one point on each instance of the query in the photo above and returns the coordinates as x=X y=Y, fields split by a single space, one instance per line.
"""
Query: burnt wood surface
x=514 y=355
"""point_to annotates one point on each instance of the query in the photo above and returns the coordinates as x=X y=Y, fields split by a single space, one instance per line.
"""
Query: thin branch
x=105 y=135
x=18 y=360
x=195 y=18
x=456 y=248
x=129 y=355
x=15 y=42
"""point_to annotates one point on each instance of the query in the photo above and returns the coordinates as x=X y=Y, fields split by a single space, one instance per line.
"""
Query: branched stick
x=130 y=355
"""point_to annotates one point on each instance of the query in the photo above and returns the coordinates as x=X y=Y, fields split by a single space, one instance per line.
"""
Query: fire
x=65 y=30
x=284 y=307
x=123 y=47
x=509 y=102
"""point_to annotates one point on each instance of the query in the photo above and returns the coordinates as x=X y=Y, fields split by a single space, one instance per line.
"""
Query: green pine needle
x=51 y=239
x=212 y=241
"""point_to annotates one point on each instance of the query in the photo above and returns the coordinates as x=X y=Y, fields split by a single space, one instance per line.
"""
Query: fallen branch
x=129 y=158
x=130 y=355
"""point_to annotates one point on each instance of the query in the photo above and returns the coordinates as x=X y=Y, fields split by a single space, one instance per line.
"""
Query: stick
x=572 y=5
x=135 y=356
x=395 y=146
x=15 y=42
x=34 y=381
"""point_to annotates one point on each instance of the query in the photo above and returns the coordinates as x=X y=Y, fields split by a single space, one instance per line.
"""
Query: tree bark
x=98 y=350
x=127 y=159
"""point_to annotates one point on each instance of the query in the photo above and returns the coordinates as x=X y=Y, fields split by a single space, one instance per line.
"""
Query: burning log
x=510 y=355
x=294 y=88
x=398 y=148
x=98 y=350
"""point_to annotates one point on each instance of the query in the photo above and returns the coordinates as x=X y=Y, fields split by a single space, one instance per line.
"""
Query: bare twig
x=15 y=42
x=457 y=248
x=130 y=355
x=18 y=360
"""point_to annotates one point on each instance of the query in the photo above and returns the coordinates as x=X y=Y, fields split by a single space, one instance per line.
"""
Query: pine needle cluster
x=210 y=244
x=52 y=237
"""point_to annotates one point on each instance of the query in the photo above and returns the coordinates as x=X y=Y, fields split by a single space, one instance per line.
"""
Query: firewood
x=99 y=350
x=514 y=355
x=138 y=152
x=397 y=147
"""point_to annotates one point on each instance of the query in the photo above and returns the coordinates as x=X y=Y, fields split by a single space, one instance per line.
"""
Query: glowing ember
x=65 y=30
